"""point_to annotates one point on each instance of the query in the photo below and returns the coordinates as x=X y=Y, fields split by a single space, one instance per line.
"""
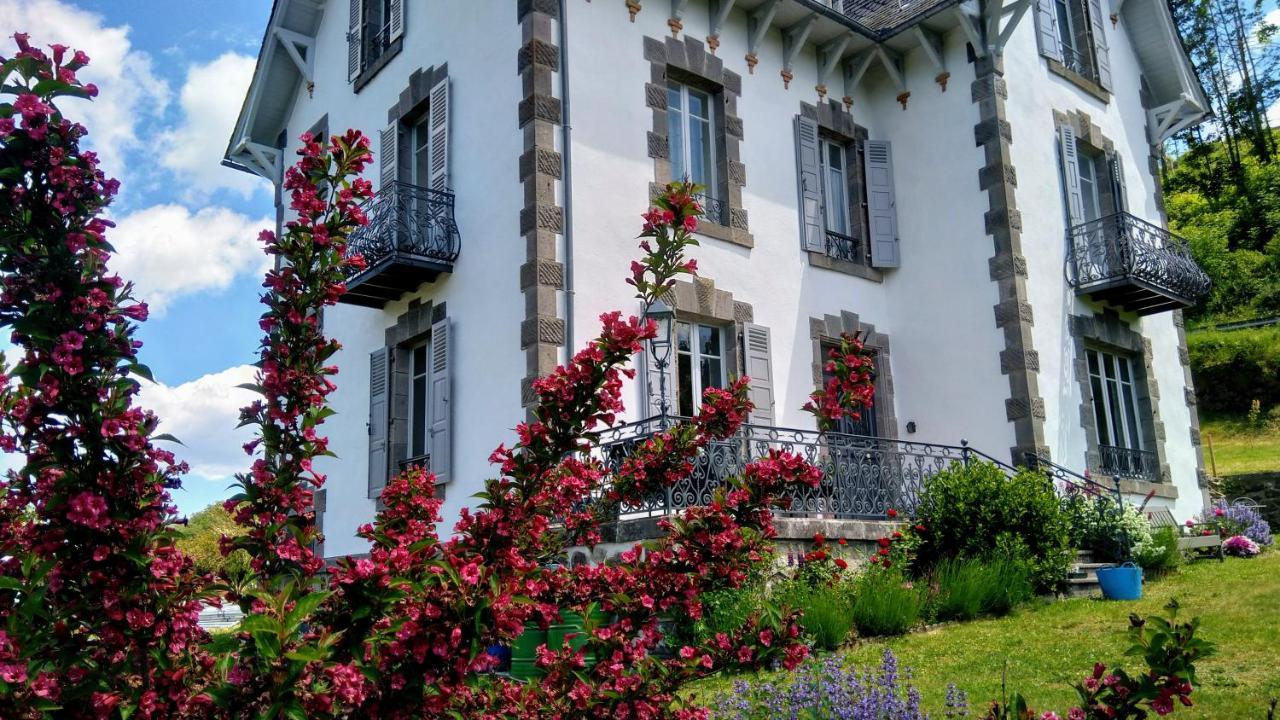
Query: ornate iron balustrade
x=1068 y=482
x=1123 y=253
x=407 y=219
x=713 y=208
x=1128 y=463
x=863 y=477
x=843 y=247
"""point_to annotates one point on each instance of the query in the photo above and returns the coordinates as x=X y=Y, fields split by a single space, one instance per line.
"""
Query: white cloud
x=210 y=100
x=129 y=89
x=168 y=251
x=203 y=415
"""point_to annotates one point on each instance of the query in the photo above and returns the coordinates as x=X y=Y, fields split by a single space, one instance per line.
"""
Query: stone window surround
x=827 y=330
x=1088 y=133
x=836 y=122
x=1109 y=332
x=411 y=328
x=1090 y=87
x=411 y=105
x=688 y=61
x=700 y=301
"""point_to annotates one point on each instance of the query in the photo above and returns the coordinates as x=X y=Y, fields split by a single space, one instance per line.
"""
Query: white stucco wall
x=484 y=304
x=1034 y=94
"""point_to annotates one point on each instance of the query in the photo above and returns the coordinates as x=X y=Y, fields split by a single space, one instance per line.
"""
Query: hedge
x=1232 y=368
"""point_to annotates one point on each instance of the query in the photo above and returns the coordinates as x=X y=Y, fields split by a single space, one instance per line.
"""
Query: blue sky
x=172 y=76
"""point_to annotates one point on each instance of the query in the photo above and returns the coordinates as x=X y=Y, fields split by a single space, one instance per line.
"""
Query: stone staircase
x=1082 y=579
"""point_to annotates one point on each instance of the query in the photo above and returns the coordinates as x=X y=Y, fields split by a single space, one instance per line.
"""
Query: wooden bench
x=1197 y=543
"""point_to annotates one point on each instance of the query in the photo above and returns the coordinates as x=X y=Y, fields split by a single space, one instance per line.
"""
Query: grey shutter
x=809 y=178
x=388 y=154
x=651 y=388
x=439 y=128
x=379 y=419
x=354 y=40
x=396 y=21
x=1071 y=175
x=441 y=403
x=882 y=205
x=758 y=367
x=1117 y=184
x=1099 y=33
x=1047 y=30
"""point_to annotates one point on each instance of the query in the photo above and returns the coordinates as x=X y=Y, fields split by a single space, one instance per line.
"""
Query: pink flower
x=89 y=510
x=470 y=573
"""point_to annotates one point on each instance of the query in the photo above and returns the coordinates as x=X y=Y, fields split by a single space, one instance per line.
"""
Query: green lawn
x=1240 y=448
x=1051 y=644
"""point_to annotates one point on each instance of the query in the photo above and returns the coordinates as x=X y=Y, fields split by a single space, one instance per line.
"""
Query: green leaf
x=166 y=437
x=309 y=653
x=305 y=607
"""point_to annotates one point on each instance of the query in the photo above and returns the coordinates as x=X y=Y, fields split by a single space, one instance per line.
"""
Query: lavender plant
x=822 y=689
x=1230 y=520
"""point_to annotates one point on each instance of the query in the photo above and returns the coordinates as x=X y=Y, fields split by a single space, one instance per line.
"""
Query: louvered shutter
x=651 y=388
x=1047 y=30
x=396 y=21
x=808 y=175
x=759 y=368
x=882 y=206
x=389 y=154
x=441 y=403
x=439 y=129
x=1071 y=175
x=1118 y=190
x=1099 y=34
x=354 y=39
x=379 y=419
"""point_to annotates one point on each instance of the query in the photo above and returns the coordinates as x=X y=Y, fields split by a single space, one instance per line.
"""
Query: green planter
x=524 y=653
x=571 y=628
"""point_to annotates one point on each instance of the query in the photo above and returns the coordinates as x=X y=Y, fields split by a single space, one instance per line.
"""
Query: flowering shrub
x=826 y=689
x=851 y=387
x=98 y=608
x=1111 y=535
x=1229 y=519
x=1240 y=546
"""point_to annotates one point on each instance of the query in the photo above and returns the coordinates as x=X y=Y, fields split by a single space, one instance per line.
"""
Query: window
x=420 y=152
x=691 y=126
x=1066 y=33
x=700 y=364
x=835 y=187
x=1115 y=411
x=374 y=28
x=866 y=424
x=1072 y=33
x=1090 y=176
x=419 y=381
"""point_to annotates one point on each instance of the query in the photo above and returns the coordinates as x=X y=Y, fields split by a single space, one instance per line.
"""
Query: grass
x=1048 y=645
x=1239 y=447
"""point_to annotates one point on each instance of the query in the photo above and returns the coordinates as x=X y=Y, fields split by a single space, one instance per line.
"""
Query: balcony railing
x=713 y=209
x=1128 y=463
x=862 y=477
x=843 y=247
x=411 y=238
x=1134 y=264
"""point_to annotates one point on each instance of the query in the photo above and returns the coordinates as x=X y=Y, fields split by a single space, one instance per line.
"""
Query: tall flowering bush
x=97 y=606
x=1229 y=519
x=849 y=390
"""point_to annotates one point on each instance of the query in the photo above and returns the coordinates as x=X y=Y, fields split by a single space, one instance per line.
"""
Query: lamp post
x=660 y=351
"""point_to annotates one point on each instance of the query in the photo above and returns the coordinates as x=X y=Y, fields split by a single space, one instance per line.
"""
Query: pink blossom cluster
x=851 y=387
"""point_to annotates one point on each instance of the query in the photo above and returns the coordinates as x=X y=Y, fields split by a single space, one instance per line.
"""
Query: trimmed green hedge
x=1232 y=368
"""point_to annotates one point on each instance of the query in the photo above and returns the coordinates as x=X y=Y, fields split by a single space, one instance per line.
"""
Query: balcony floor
x=391 y=277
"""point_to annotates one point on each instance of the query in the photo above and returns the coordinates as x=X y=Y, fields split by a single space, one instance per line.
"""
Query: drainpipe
x=566 y=174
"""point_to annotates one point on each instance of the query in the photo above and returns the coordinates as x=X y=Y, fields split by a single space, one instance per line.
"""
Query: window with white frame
x=1090 y=178
x=1115 y=404
x=691 y=128
x=700 y=364
x=835 y=186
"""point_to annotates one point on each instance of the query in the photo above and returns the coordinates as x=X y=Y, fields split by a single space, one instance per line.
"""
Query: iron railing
x=862 y=477
x=407 y=219
x=843 y=247
x=1121 y=246
x=713 y=209
x=1080 y=62
x=374 y=43
x=1068 y=482
x=1121 y=462
x=423 y=461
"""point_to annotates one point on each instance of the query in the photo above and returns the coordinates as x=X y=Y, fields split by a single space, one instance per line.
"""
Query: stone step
x=1082 y=587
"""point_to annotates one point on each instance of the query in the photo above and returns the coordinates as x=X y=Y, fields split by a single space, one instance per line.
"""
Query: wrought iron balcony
x=1127 y=463
x=713 y=209
x=411 y=238
x=863 y=477
x=843 y=247
x=1133 y=264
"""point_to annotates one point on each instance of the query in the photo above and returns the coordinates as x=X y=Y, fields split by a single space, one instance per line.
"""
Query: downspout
x=566 y=174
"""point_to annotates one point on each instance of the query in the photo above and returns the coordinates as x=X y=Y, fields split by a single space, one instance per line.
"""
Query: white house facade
x=969 y=186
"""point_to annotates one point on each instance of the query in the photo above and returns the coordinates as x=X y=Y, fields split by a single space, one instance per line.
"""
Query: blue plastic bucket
x=1121 y=583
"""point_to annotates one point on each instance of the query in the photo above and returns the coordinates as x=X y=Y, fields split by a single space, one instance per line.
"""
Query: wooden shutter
x=388 y=154
x=882 y=206
x=758 y=367
x=650 y=389
x=355 y=21
x=440 y=402
x=1118 y=191
x=396 y=21
x=1071 y=175
x=1099 y=34
x=379 y=419
x=809 y=179
x=1047 y=30
x=439 y=129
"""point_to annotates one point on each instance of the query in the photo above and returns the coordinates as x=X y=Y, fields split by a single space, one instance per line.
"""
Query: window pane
x=684 y=399
x=1100 y=409
x=712 y=373
x=682 y=337
x=675 y=133
x=699 y=104
x=1089 y=186
x=709 y=340
x=1113 y=411
x=418 y=422
x=700 y=152
x=420 y=360
x=1093 y=361
x=1064 y=29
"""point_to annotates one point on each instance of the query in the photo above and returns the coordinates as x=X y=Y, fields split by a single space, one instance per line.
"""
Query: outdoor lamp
x=660 y=345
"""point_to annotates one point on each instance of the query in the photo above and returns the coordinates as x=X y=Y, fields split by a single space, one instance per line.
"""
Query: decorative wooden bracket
x=932 y=46
x=262 y=160
x=675 y=22
x=998 y=8
x=757 y=25
x=893 y=66
x=633 y=8
x=301 y=50
x=829 y=56
x=967 y=19
x=719 y=15
x=854 y=69
x=793 y=39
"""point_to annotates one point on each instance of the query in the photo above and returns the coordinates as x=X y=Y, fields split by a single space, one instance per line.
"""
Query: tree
x=201 y=540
